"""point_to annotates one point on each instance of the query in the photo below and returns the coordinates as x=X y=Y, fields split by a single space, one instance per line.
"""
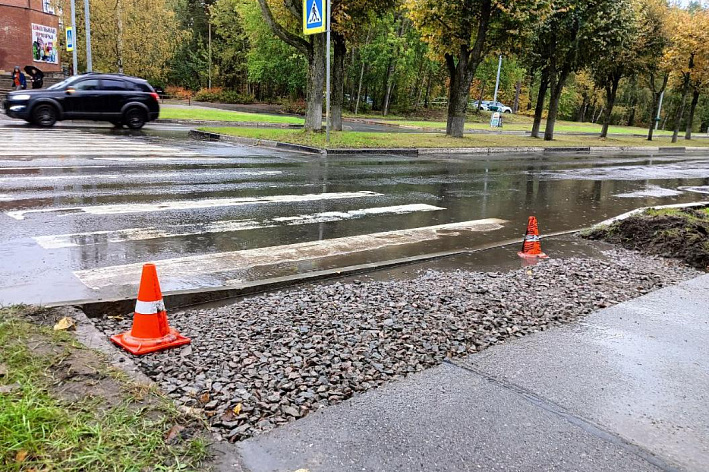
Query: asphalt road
x=83 y=207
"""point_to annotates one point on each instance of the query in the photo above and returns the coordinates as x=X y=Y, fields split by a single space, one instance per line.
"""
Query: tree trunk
x=462 y=73
x=680 y=108
x=611 y=91
x=316 y=82
x=482 y=94
x=692 y=109
x=582 y=110
x=531 y=85
x=457 y=103
x=656 y=103
x=428 y=90
x=539 y=107
x=338 y=84
x=685 y=91
x=518 y=91
x=557 y=86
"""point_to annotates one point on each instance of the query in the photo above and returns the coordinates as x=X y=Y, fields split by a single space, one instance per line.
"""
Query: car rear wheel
x=508 y=111
x=134 y=118
x=44 y=115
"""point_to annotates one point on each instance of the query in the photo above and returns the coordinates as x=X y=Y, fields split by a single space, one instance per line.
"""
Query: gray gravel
x=278 y=356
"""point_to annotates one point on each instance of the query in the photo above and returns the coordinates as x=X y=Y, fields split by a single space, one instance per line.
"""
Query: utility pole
x=87 y=15
x=327 y=81
x=73 y=32
x=497 y=83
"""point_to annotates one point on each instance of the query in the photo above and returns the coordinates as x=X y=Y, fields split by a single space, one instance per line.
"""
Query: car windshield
x=64 y=83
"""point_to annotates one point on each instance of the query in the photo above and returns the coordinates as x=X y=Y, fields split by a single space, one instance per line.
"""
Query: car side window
x=87 y=85
x=112 y=84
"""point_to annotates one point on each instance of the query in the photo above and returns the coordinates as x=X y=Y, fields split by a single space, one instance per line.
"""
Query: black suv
x=117 y=98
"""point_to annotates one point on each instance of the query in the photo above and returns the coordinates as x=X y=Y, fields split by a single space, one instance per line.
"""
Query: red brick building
x=29 y=35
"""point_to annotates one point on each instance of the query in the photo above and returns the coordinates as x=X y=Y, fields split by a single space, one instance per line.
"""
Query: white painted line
x=59 y=241
x=118 y=209
x=142 y=175
x=700 y=189
x=164 y=159
x=650 y=191
x=183 y=271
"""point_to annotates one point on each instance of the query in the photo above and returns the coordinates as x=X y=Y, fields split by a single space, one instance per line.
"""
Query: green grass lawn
x=207 y=114
x=524 y=123
x=62 y=408
x=350 y=139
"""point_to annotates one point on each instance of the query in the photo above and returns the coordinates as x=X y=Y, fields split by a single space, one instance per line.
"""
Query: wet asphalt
x=82 y=207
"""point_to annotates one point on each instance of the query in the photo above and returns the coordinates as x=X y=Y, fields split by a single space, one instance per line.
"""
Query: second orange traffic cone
x=150 y=331
x=532 y=247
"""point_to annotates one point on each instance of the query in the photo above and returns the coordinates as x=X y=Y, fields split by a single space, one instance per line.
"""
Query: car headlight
x=22 y=96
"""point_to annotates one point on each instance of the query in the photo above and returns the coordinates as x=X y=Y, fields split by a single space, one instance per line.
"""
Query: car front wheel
x=134 y=118
x=44 y=115
x=508 y=111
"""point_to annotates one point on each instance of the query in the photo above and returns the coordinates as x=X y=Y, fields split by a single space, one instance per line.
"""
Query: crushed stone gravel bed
x=269 y=359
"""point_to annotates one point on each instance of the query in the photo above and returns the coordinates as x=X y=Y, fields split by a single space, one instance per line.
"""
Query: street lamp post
x=87 y=16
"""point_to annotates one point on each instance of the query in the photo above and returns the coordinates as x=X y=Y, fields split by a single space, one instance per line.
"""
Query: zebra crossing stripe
x=188 y=272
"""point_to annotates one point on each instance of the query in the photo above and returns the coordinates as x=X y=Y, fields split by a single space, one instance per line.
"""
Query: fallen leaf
x=204 y=398
x=188 y=410
x=173 y=433
x=529 y=272
x=21 y=455
x=66 y=323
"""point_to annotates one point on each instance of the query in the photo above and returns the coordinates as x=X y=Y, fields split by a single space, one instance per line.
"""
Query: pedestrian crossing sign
x=314 y=16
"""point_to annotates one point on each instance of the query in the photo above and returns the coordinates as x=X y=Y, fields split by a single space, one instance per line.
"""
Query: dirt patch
x=681 y=234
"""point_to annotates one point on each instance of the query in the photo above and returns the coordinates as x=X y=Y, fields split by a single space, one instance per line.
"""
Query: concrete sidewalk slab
x=625 y=389
x=639 y=369
x=444 y=419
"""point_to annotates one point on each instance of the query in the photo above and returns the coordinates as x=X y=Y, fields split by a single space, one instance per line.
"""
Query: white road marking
x=59 y=241
x=650 y=191
x=152 y=175
x=181 y=270
x=118 y=209
x=699 y=189
x=40 y=143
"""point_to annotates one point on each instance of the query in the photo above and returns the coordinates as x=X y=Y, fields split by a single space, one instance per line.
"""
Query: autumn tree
x=137 y=37
x=654 y=32
x=690 y=34
x=312 y=47
x=464 y=33
x=575 y=34
x=620 y=57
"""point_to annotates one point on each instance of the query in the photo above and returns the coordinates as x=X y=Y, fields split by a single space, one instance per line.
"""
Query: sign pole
x=327 y=79
x=87 y=15
x=497 y=82
x=73 y=34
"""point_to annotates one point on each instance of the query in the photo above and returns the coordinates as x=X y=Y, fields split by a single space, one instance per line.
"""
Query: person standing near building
x=18 y=79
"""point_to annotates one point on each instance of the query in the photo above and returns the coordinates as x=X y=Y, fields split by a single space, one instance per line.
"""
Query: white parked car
x=498 y=106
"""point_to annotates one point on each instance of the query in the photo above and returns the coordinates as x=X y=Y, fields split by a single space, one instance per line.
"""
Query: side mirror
x=70 y=90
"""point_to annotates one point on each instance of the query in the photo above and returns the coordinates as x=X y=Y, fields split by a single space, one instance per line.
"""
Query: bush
x=180 y=93
x=294 y=107
x=217 y=94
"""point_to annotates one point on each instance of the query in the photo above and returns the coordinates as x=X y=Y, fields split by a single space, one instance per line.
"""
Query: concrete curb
x=640 y=210
x=244 y=124
x=265 y=143
x=413 y=152
x=185 y=298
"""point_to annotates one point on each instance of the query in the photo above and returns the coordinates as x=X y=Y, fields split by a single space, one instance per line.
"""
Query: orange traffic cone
x=150 y=331
x=532 y=248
